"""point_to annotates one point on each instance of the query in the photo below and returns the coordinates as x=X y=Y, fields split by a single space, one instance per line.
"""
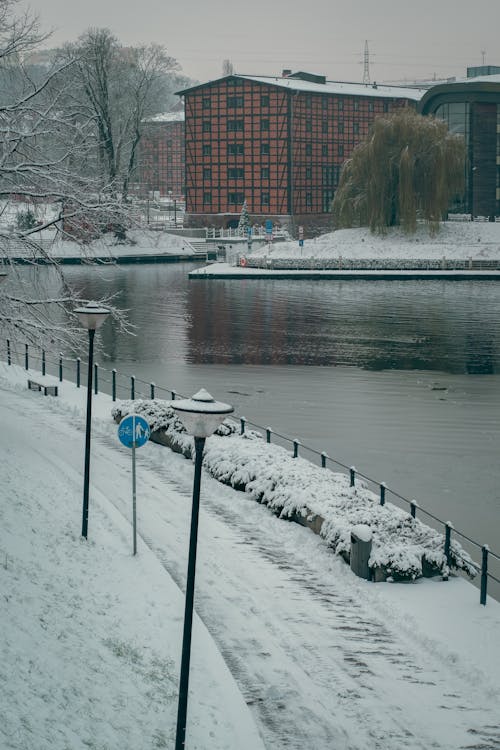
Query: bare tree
x=41 y=145
x=408 y=168
x=117 y=88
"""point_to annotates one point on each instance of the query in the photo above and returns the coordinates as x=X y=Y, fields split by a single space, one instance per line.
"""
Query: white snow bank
x=91 y=636
x=460 y=240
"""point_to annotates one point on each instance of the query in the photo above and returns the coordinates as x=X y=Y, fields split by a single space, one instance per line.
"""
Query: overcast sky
x=407 y=39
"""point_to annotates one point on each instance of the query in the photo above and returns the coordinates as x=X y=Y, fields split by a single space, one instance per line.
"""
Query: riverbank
x=87 y=642
x=460 y=250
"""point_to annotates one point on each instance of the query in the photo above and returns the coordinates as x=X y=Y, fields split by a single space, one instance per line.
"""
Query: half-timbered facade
x=278 y=143
x=161 y=156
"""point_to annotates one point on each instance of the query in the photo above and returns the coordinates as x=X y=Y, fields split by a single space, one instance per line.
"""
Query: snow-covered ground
x=455 y=239
x=91 y=636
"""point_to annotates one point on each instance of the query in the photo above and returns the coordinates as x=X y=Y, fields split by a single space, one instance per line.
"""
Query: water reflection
x=445 y=326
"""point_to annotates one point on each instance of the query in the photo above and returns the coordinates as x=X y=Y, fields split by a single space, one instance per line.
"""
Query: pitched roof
x=345 y=88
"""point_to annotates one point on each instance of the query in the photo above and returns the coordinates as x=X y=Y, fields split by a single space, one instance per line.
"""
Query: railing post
x=9 y=360
x=413 y=508
x=296 y=444
x=268 y=434
x=382 y=493
x=132 y=387
x=113 y=384
x=484 y=574
x=96 y=376
x=173 y=394
x=324 y=456
x=78 y=371
x=447 y=542
x=60 y=367
x=352 y=472
x=44 y=369
x=152 y=391
x=26 y=361
x=242 y=425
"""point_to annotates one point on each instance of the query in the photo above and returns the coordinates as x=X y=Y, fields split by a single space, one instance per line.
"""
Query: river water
x=399 y=378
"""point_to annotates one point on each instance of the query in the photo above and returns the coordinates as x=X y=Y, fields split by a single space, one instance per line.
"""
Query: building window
x=235 y=149
x=324 y=150
x=355 y=105
x=234 y=101
x=309 y=149
x=330 y=175
x=386 y=106
x=309 y=126
x=264 y=124
x=235 y=173
x=309 y=200
x=370 y=106
x=341 y=149
x=206 y=126
x=207 y=173
x=324 y=126
x=264 y=149
x=324 y=102
x=308 y=173
x=264 y=173
x=207 y=197
x=207 y=102
x=265 y=199
x=327 y=200
x=236 y=199
x=341 y=105
x=264 y=100
x=355 y=128
x=235 y=125
x=207 y=149
x=340 y=127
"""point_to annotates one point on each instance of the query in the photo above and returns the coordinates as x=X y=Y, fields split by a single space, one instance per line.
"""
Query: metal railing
x=133 y=388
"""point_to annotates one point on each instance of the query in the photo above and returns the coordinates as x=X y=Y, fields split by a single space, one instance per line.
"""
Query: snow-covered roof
x=340 y=87
x=344 y=88
x=166 y=117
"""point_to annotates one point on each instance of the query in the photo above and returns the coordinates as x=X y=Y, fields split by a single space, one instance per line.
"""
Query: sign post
x=269 y=231
x=133 y=432
x=301 y=238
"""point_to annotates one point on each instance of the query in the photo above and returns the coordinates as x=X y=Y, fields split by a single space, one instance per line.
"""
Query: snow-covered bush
x=403 y=548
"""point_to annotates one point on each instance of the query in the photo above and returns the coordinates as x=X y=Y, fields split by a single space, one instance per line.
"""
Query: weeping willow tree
x=408 y=169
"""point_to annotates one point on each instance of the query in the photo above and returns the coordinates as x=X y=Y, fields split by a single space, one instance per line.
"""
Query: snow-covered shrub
x=403 y=547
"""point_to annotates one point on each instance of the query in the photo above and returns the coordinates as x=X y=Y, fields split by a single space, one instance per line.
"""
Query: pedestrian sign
x=133 y=431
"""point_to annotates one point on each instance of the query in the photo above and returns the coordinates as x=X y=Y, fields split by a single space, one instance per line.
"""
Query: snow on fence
x=292 y=486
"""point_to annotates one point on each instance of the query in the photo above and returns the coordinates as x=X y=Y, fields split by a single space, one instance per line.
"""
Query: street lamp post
x=90 y=317
x=200 y=415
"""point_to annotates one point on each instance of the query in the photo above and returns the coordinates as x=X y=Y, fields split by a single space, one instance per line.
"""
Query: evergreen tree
x=410 y=167
x=244 y=221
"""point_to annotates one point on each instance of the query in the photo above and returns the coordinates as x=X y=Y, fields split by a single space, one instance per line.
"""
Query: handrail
x=23 y=356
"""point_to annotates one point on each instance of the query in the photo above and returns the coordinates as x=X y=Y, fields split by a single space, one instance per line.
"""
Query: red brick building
x=278 y=143
x=161 y=156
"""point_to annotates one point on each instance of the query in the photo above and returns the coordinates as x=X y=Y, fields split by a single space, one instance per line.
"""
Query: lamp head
x=201 y=414
x=91 y=316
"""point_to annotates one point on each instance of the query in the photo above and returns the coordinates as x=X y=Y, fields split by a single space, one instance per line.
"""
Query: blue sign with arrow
x=133 y=431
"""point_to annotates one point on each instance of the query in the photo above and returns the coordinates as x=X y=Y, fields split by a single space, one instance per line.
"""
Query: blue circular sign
x=133 y=431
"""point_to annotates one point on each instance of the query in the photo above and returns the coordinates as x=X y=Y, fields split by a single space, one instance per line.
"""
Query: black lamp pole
x=85 y=513
x=180 y=737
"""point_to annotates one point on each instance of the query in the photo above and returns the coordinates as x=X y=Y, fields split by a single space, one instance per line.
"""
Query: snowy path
x=321 y=657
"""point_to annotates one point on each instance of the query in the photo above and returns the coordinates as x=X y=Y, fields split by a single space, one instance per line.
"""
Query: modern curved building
x=471 y=107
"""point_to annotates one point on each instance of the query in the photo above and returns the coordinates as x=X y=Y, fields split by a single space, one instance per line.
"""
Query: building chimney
x=286 y=72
